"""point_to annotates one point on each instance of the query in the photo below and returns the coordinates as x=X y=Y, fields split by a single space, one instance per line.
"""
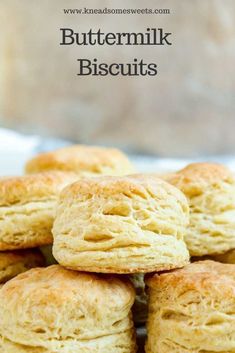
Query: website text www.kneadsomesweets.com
x=116 y=11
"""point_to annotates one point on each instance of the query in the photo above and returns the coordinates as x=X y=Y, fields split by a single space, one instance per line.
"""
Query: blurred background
x=187 y=110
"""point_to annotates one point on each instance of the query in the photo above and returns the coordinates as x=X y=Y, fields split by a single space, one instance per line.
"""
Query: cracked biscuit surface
x=210 y=190
x=125 y=224
x=54 y=310
x=27 y=208
x=192 y=310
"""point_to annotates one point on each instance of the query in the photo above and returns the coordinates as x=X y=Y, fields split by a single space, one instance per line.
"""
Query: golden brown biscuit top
x=81 y=158
x=136 y=185
x=55 y=285
x=210 y=276
x=196 y=177
x=18 y=190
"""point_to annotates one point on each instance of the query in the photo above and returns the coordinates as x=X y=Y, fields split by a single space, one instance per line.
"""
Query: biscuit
x=226 y=258
x=192 y=310
x=140 y=307
x=14 y=262
x=83 y=160
x=54 y=310
x=129 y=224
x=27 y=208
x=210 y=190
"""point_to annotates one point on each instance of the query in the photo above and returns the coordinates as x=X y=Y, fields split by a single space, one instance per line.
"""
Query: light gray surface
x=16 y=149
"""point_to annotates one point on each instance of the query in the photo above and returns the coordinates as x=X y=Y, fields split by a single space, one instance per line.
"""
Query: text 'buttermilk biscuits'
x=191 y=310
x=121 y=225
x=54 y=310
x=27 y=208
x=210 y=190
x=83 y=160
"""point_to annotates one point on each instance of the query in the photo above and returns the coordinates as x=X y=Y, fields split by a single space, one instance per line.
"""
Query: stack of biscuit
x=191 y=310
x=53 y=309
x=111 y=231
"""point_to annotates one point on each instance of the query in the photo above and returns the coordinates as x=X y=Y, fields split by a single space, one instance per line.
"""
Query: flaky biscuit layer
x=210 y=190
x=121 y=225
x=27 y=208
x=192 y=310
x=56 y=310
